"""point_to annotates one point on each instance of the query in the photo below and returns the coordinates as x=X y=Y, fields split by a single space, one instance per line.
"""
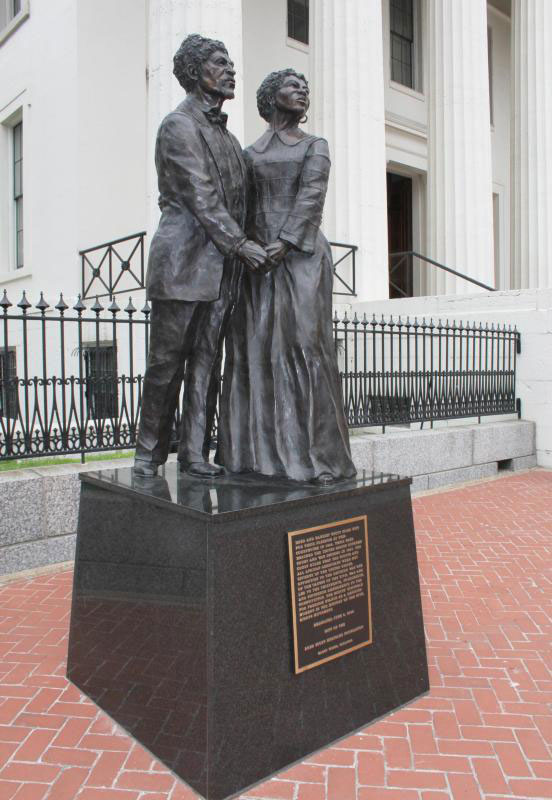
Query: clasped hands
x=262 y=259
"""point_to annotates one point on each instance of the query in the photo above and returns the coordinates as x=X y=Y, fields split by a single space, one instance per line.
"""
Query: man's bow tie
x=216 y=116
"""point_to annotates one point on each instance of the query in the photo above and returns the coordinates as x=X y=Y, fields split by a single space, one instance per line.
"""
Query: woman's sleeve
x=304 y=220
x=250 y=194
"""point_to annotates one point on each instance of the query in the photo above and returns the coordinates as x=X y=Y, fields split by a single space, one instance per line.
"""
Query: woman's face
x=293 y=96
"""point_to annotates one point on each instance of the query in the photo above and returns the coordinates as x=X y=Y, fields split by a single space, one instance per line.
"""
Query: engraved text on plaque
x=330 y=590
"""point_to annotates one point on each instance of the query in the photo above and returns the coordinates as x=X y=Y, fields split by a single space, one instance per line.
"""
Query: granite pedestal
x=181 y=625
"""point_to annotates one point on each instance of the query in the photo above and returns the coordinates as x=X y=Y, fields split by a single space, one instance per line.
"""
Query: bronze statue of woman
x=281 y=408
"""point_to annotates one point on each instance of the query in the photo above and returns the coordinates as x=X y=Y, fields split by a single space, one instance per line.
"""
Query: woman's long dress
x=281 y=411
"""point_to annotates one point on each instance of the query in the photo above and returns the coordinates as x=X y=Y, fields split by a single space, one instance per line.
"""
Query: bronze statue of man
x=194 y=261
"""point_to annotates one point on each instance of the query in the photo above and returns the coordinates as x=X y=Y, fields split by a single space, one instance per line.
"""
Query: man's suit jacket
x=196 y=231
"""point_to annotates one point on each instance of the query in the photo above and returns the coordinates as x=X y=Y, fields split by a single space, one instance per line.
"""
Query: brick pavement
x=484 y=731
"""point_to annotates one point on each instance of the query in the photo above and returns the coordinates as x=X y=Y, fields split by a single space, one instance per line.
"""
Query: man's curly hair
x=194 y=51
x=266 y=93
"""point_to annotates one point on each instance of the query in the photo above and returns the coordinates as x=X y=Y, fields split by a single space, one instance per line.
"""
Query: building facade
x=437 y=113
x=439 y=121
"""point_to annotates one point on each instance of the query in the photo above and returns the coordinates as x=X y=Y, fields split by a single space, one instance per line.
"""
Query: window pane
x=17 y=141
x=19 y=214
x=490 y=59
x=8 y=384
x=101 y=381
x=298 y=20
x=16 y=7
x=18 y=192
x=396 y=48
x=402 y=41
x=20 y=254
x=17 y=179
x=300 y=30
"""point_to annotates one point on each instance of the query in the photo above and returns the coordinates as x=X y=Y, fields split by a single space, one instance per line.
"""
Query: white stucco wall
x=530 y=311
x=403 y=104
x=111 y=47
x=500 y=138
x=406 y=135
x=266 y=48
x=76 y=73
x=39 y=80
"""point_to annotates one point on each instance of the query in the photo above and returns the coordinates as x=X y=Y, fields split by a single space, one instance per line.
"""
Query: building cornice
x=405 y=125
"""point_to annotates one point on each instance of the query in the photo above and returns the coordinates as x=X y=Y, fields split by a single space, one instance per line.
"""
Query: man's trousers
x=185 y=345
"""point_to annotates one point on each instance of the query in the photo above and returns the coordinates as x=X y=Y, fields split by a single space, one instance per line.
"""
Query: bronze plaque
x=330 y=591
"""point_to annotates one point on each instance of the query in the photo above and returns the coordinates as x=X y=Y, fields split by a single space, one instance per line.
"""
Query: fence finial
x=113 y=307
x=42 y=305
x=4 y=302
x=97 y=307
x=130 y=309
x=61 y=304
x=79 y=306
x=24 y=303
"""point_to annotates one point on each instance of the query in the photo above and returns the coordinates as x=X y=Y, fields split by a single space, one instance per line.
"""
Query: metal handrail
x=101 y=277
x=405 y=253
x=351 y=250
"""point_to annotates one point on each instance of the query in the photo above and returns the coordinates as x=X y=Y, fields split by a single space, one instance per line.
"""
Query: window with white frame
x=17 y=149
x=8 y=383
x=298 y=20
x=100 y=361
x=9 y=9
x=13 y=13
x=405 y=49
x=490 y=59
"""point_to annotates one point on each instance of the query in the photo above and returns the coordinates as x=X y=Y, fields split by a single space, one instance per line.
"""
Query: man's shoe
x=144 y=468
x=201 y=469
x=324 y=479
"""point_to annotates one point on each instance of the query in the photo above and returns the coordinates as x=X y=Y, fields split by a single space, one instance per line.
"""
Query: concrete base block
x=39 y=513
x=500 y=441
x=523 y=462
x=450 y=476
x=447 y=455
x=22 y=509
x=362 y=451
x=61 y=503
x=38 y=553
x=420 y=483
x=39 y=505
x=422 y=452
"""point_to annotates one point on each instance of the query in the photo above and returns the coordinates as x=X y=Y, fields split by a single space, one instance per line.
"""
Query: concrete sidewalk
x=484 y=731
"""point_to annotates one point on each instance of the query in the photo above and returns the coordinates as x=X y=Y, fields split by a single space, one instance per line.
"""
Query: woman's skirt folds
x=281 y=410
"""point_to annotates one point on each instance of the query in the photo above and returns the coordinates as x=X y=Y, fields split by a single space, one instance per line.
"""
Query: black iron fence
x=71 y=375
x=397 y=371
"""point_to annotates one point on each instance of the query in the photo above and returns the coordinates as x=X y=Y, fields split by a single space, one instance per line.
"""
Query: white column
x=459 y=145
x=346 y=77
x=170 y=21
x=531 y=144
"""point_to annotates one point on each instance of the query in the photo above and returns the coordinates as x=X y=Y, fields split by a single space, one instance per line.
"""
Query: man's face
x=217 y=75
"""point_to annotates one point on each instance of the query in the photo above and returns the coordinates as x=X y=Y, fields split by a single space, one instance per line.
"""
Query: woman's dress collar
x=261 y=144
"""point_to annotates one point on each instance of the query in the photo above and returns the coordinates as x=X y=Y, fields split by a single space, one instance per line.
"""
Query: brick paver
x=483 y=733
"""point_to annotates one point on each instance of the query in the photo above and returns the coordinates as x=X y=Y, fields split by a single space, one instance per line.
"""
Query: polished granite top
x=232 y=494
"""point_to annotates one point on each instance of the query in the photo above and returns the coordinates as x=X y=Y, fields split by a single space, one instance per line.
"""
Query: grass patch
x=55 y=461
